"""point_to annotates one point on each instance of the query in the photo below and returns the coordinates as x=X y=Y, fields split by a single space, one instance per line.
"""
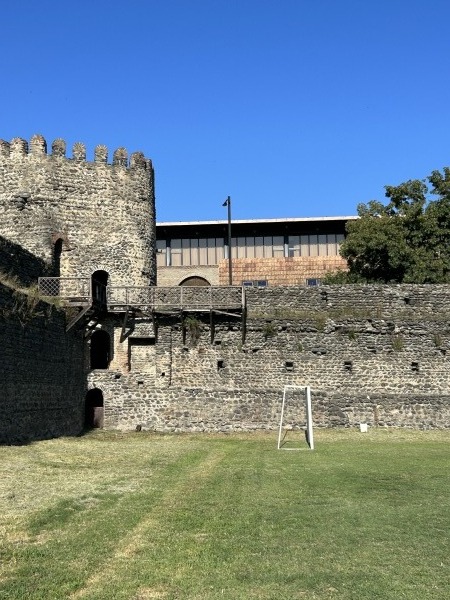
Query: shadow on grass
x=293 y=440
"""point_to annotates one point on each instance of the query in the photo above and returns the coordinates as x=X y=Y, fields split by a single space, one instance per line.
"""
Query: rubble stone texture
x=43 y=377
x=102 y=214
x=373 y=354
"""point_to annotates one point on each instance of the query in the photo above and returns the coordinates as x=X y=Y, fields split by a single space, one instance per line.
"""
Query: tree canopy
x=406 y=240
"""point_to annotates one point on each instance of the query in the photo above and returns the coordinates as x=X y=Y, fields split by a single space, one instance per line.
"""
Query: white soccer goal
x=288 y=399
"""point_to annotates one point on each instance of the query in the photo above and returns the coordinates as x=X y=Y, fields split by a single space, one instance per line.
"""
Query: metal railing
x=77 y=290
x=182 y=297
x=66 y=288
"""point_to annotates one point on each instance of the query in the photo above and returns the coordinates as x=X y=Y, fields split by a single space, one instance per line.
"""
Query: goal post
x=306 y=391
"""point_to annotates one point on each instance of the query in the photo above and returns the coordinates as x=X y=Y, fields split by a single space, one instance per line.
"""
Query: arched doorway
x=94 y=411
x=100 y=349
x=195 y=281
x=99 y=283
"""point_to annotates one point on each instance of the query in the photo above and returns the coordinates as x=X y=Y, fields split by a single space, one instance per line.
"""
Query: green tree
x=407 y=240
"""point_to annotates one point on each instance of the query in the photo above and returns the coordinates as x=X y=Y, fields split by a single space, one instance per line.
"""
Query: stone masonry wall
x=168 y=276
x=104 y=215
x=42 y=373
x=376 y=354
x=19 y=263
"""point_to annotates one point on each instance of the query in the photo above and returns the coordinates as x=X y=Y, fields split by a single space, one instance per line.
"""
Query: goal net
x=296 y=412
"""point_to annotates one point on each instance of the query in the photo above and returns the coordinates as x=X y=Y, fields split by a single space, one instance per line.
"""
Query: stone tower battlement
x=80 y=216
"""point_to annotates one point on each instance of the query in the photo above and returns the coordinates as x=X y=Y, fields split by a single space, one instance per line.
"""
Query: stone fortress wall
x=65 y=217
x=20 y=264
x=42 y=368
x=79 y=216
x=375 y=354
x=42 y=373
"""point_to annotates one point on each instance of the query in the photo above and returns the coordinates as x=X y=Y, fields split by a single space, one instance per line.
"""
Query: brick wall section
x=42 y=377
x=168 y=276
x=103 y=213
x=280 y=271
x=378 y=354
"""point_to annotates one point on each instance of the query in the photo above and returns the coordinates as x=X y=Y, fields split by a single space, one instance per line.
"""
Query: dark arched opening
x=56 y=259
x=100 y=350
x=94 y=409
x=195 y=281
x=99 y=283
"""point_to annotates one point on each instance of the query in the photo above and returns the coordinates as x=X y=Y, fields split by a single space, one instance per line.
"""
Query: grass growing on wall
x=141 y=516
x=27 y=302
x=398 y=343
x=194 y=327
x=348 y=313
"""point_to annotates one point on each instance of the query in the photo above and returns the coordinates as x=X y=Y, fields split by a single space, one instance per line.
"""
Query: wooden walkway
x=81 y=291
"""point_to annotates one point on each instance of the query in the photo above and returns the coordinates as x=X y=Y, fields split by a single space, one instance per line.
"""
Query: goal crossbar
x=309 y=427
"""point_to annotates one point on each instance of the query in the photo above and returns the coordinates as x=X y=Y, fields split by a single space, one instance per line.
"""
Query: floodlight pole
x=227 y=203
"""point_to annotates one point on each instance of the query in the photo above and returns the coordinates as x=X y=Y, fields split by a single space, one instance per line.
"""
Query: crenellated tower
x=80 y=216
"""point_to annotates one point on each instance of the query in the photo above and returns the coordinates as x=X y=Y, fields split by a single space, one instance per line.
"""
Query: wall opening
x=99 y=282
x=94 y=410
x=56 y=259
x=195 y=281
x=100 y=350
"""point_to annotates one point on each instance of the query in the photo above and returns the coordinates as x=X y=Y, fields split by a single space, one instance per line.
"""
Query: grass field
x=138 y=516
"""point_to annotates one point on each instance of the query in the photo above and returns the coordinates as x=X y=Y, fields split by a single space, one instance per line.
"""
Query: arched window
x=195 y=281
x=100 y=350
x=56 y=259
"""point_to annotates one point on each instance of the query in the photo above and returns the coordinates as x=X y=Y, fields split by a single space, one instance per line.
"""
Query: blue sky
x=293 y=107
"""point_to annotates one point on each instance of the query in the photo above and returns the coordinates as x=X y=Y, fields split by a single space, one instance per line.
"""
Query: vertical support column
x=244 y=315
x=211 y=325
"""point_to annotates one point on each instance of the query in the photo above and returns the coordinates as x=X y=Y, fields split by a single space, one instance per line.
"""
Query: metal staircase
x=87 y=298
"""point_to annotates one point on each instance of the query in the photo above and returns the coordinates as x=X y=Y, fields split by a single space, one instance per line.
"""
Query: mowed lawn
x=138 y=516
